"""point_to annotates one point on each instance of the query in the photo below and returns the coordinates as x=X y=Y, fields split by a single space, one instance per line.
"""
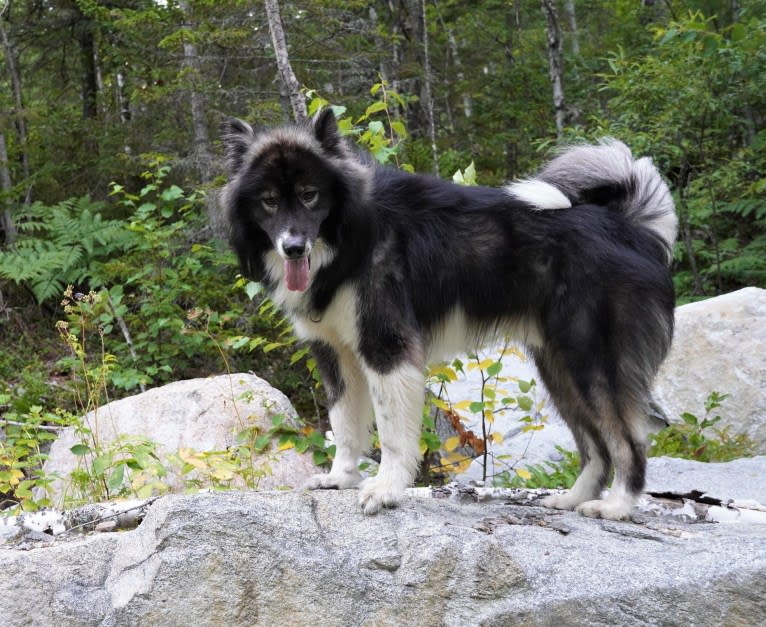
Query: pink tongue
x=297 y=274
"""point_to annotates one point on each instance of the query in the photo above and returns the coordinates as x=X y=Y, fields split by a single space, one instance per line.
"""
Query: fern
x=59 y=244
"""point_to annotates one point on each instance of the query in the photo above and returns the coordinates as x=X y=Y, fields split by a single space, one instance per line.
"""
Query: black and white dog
x=383 y=271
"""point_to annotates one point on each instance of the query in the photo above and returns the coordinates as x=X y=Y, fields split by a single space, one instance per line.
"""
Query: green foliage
x=704 y=137
x=128 y=466
x=27 y=436
x=696 y=439
x=550 y=475
x=62 y=245
x=379 y=128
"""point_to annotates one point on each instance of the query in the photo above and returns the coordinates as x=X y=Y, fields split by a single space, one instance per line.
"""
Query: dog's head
x=286 y=189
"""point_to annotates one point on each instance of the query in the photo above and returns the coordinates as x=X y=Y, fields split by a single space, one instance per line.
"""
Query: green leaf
x=525 y=402
x=252 y=289
x=172 y=193
x=116 y=478
x=80 y=450
x=374 y=108
x=524 y=386
x=100 y=464
x=689 y=419
x=261 y=443
x=495 y=369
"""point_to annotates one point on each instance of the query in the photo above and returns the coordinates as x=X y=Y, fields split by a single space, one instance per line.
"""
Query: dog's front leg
x=350 y=415
x=397 y=396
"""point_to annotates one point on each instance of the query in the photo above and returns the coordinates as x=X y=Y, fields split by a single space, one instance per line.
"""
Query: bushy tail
x=605 y=174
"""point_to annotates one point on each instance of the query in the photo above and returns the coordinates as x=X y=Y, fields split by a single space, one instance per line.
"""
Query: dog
x=383 y=271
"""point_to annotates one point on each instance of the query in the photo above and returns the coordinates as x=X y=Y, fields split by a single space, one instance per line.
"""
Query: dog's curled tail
x=607 y=174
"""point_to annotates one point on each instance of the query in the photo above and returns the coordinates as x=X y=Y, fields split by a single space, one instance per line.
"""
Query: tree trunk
x=569 y=8
x=556 y=63
x=427 y=92
x=20 y=121
x=7 y=225
x=123 y=102
x=203 y=156
x=378 y=40
x=87 y=43
x=684 y=178
x=513 y=29
x=286 y=74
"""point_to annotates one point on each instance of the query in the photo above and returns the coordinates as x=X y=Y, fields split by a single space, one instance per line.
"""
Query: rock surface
x=720 y=345
x=303 y=558
x=202 y=414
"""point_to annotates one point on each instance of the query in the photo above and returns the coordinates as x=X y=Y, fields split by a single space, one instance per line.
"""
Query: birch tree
x=555 y=62
x=286 y=74
x=569 y=9
x=427 y=90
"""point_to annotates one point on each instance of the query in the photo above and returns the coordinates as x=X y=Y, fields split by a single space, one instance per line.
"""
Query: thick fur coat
x=383 y=271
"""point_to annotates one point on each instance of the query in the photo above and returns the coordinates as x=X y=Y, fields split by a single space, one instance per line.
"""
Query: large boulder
x=720 y=345
x=311 y=558
x=198 y=414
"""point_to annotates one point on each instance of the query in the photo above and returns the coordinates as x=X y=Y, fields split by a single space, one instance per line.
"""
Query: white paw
x=378 y=492
x=561 y=501
x=333 y=481
x=604 y=508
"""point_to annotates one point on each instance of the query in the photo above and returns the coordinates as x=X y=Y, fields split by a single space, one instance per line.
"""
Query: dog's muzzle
x=295 y=251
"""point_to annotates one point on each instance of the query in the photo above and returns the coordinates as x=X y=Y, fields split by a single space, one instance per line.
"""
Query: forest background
x=110 y=157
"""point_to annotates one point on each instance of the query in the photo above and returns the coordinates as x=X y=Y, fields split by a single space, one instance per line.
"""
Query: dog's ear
x=237 y=137
x=326 y=131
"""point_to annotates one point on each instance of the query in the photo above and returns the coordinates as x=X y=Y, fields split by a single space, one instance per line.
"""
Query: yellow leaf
x=486 y=363
x=189 y=456
x=440 y=403
x=461 y=405
x=524 y=473
x=15 y=476
x=517 y=353
x=222 y=474
x=497 y=437
x=454 y=462
x=444 y=371
x=450 y=444
x=286 y=445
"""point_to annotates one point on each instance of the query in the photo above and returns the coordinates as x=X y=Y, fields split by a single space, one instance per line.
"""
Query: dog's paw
x=561 y=501
x=333 y=481
x=604 y=508
x=378 y=492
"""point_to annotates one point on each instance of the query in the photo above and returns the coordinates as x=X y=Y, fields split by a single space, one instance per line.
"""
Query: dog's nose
x=295 y=246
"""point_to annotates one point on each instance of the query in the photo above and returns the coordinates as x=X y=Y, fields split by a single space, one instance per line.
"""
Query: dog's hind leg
x=594 y=473
x=398 y=397
x=627 y=447
x=595 y=460
x=351 y=416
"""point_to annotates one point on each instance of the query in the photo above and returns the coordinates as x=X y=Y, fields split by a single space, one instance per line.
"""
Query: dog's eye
x=270 y=203
x=308 y=196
